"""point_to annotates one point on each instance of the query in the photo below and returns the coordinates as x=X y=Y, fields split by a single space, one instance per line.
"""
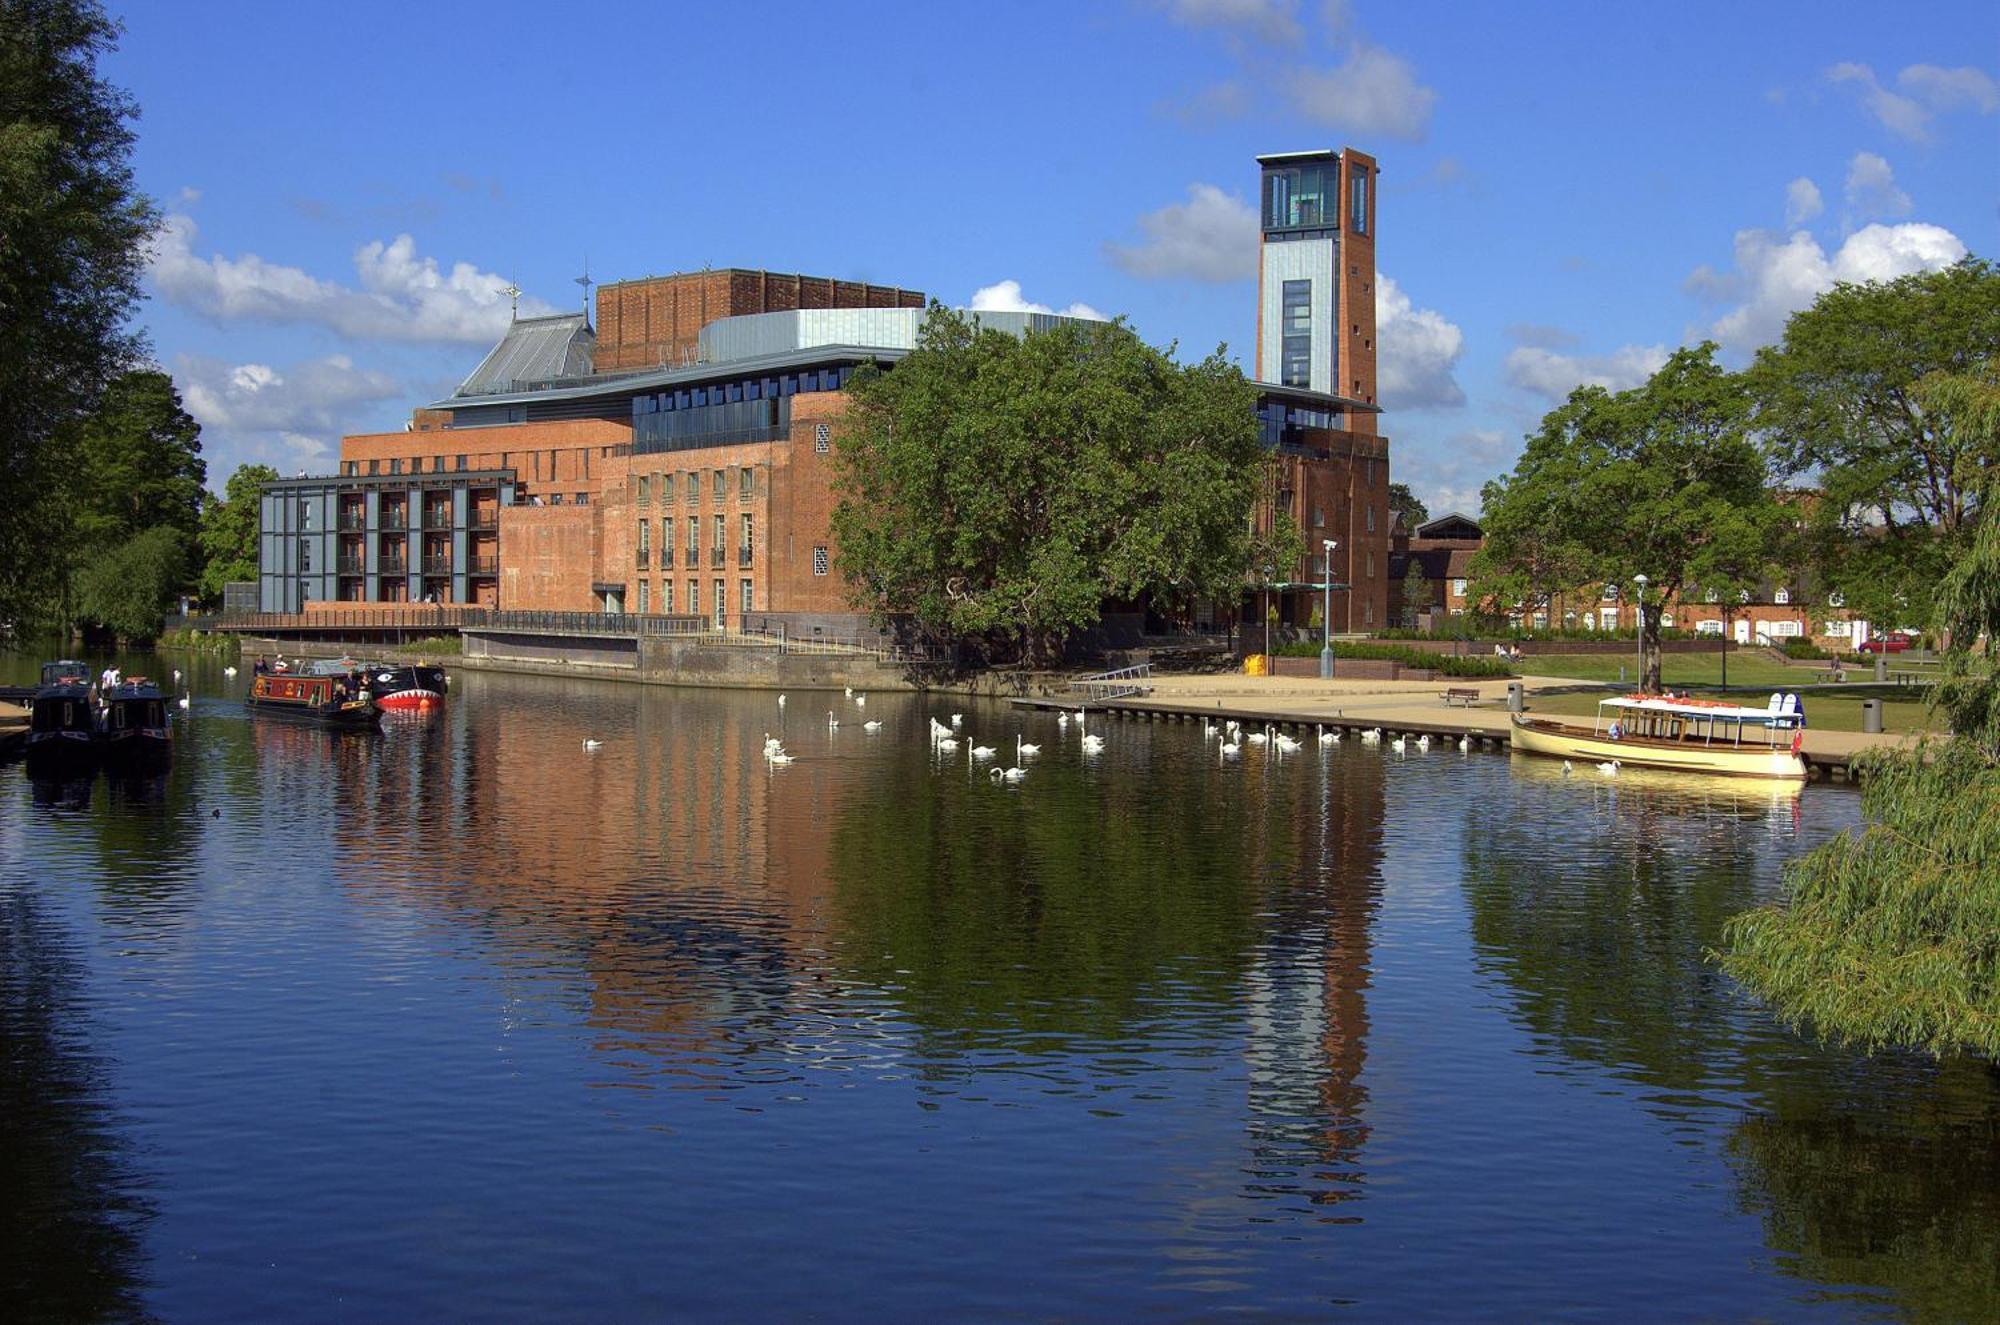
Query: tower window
x=1296 y=366
x=1357 y=198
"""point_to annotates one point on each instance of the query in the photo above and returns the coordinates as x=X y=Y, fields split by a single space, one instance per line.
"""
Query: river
x=466 y=1021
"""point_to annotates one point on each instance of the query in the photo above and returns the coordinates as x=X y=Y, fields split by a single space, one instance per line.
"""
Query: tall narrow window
x=749 y=531
x=748 y=606
x=721 y=601
x=747 y=481
x=694 y=597
x=720 y=527
x=644 y=605
x=819 y=561
x=1357 y=195
x=1296 y=368
x=305 y=556
x=667 y=597
x=645 y=490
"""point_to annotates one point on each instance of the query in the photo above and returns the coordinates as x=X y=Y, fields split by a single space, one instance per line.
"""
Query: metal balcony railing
x=642 y=559
x=666 y=558
x=486 y=565
x=353 y=565
x=393 y=566
x=743 y=555
x=392 y=520
x=717 y=556
x=353 y=520
x=437 y=565
x=486 y=519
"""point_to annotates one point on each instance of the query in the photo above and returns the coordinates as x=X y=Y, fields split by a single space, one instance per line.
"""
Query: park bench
x=1466 y=695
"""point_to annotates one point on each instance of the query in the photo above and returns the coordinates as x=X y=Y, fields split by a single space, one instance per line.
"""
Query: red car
x=1886 y=644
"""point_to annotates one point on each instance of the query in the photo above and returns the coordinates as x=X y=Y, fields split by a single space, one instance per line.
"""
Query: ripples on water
x=466 y=1022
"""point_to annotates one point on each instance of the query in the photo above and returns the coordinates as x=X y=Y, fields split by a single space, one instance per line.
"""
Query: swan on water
x=590 y=743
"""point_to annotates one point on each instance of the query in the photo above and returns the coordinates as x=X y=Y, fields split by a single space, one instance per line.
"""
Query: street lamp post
x=1326 y=614
x=1269 y=571
x=1640 y=604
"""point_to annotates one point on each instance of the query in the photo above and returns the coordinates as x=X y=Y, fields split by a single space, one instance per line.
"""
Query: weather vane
x=513 y=293
x=585 y=281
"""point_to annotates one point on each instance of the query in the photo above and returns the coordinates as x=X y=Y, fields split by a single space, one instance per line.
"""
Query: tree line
x=1859 y=456
x=107 y=521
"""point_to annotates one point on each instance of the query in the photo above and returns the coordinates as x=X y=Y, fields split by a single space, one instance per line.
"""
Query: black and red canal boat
x=322 y=701
x=397 y=687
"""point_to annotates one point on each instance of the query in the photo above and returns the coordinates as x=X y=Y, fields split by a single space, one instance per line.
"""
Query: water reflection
x=74 y=1220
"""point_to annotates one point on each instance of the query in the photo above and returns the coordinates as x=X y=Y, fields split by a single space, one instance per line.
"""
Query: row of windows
x=664 y=484
x=754 y=388
x=690 y=603
x=1308 y=196
x=747 y=531
x=1295 y=363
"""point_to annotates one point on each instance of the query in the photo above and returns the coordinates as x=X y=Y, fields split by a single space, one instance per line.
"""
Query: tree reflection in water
x=1878 y=1178
x=74 y=1215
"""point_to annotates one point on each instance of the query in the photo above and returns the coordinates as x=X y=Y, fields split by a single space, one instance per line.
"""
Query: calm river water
x=464 y=1022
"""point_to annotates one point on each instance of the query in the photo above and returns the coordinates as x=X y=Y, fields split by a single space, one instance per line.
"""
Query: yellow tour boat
x=1677 y=732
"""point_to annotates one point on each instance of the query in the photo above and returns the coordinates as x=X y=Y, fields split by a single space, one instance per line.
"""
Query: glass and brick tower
x=1316 y=277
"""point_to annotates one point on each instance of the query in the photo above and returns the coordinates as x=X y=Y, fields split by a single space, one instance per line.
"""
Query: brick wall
x=566 y=457
x=1355 y=313
x=548 y=558
x=657 y=320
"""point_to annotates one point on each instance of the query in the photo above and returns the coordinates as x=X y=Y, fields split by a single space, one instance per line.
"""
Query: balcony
x=486 y=518
x=351 y=520
x=643 y=560
x=743 y=555
x=396 y=519
x=666 y=558
x=392 y=566
x=353 y=565
x=437 y=565
x=718 y=556
x=438 y=517
x=489 y=564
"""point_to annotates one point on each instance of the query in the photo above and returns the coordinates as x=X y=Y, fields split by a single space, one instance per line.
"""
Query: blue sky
x=1569 y=190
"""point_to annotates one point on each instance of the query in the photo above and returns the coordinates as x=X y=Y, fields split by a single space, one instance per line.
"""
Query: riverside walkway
x=1410 y=707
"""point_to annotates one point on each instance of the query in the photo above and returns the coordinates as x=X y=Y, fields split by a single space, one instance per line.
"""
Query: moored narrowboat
x=324 y=701
x=132 y=724
x=61 y=726
x=1677 y=733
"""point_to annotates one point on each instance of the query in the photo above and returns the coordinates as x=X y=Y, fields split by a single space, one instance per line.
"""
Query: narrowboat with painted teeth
x=133 y=727
x=397 y=687
x=61 y=719
x=323 y=701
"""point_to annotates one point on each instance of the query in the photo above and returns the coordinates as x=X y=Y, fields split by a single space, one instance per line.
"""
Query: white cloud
x=1370 y=93
x=1778 y=277
x=1274 y=21
x=1871 y=188
x=1944 y=90
x=1932 y=90
x=402 y=296
x=1802 y=202
x=1005 y=297
x=1552 y=375
x=1210 y=237
x=1898 y=114
x=318 y=395
x=1418 y=349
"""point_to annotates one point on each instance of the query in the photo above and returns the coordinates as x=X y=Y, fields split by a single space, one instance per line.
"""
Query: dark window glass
x=1296 y=349
x=1357 y=220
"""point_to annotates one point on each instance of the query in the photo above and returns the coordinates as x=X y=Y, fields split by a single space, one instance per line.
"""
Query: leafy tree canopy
x=1661 y=480
x=138 y=462
x=1407 y=507
x=1005 y=487
x=128 y=587
x=72 y=231
x=1891 y=938
x=1838 y=404
x=229 y=531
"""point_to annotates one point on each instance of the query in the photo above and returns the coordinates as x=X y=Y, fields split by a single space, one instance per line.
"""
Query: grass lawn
x=1749 y=667
x=1840 y=712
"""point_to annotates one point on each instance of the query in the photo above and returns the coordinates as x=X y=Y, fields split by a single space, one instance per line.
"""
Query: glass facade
x=750 y=409
x=1357 y=194
x=1295 y=197
x=1280 y=426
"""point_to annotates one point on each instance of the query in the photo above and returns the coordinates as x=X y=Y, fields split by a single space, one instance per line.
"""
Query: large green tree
x=72 y=235
x=1838 y=407
x=125 y=586
x=229 y=531
x=1891 y=937
x=138 y=462
x=1004 y=487
x=1661 y=480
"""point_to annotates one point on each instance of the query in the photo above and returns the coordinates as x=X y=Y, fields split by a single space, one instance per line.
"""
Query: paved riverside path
x=1402 y=705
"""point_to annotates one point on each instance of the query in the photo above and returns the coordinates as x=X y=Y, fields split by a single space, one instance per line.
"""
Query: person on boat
x=281 y=665
x=1617 y=732
x=259 y=667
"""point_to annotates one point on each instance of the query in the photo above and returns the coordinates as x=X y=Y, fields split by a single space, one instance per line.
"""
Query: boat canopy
x=1784 y=712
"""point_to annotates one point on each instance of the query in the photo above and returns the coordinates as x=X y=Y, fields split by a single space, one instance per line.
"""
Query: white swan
x=1326 y=737
x=947 y=743
x=1609 y=770
x=1062 y=719
x=957 y=718
x=183 y=702
x=1424 y=741
x=1229 y=749
x=832 y=723
x=1567 y=770
x=850 y=692
x=1285 y=742
x=861 y=701
x=229 y=671
x=772 y=743
x=1015 y=774
x=1092 y=744
x=1400 y=744
x=982 y=752
x=177 y=676
x=1465 y=745
x=778 y=757
x=1257 y=738
x=1021 y=747
x=590 y=743
x=781 y=701
x=871 y=726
